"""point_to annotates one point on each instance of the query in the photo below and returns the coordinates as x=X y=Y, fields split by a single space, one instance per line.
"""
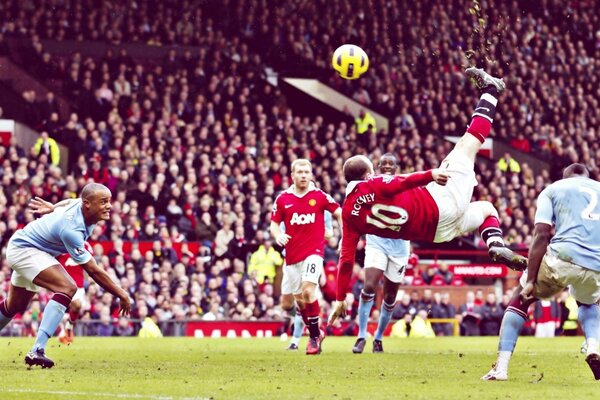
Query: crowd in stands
x=196 y=146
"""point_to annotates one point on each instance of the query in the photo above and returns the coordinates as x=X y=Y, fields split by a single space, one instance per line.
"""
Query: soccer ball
x=350 y=61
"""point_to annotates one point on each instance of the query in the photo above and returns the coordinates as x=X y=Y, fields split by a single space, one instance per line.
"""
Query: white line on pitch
x=111 y=395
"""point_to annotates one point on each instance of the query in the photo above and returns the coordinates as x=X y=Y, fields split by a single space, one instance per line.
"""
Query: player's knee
x=389 y=298
x=369 y=289
x=308 y=293
x=286 y=303
x=68 y=288
x=489 y=210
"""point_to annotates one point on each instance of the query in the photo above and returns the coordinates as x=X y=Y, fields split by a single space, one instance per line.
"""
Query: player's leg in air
x=460 y=166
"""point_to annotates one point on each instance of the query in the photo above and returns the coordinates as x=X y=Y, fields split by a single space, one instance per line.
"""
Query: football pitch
x=188 y=368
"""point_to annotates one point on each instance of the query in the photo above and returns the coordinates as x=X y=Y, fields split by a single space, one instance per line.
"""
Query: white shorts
x=454 y=198
x=27 y=263
x=393 y=267
x=555 y=275
x=308 y=270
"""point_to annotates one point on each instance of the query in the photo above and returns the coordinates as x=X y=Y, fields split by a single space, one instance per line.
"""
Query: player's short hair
x=300 y=161
x=389 y=155
x=356 y=168
x=91 y=189
x=576 y=169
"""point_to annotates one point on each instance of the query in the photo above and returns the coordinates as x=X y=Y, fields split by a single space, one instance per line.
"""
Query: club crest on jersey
x=312 y=202
x=302 y=219
x=387 y=178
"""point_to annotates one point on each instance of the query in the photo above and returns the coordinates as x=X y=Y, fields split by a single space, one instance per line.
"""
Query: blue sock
x=589 y=318
x=298 y=326
x=510 y=329
x=384 y=319
x=53 y=314
x=364 y=310
x=4 y=319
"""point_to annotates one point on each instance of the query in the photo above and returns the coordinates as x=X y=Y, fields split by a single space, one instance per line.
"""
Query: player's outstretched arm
x=42 y=207
x=389 y=186
x=103 y=279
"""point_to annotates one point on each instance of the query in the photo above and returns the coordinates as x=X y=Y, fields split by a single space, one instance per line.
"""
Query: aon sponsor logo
x=302 y=219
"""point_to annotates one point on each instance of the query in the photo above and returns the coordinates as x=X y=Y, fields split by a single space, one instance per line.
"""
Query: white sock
x=295 y=340
x=592 y=346
x=503 y=360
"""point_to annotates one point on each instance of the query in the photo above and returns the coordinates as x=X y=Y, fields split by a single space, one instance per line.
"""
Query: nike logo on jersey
x=288 y=205
x=482 y=108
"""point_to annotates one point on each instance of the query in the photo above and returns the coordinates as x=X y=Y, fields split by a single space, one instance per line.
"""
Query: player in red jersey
x=75 y=271
x=302 y=210
x=433 y=206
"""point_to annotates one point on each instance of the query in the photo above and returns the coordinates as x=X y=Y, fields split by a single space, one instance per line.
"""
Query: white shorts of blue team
x=556 y=274
x=308 y=270
x=27 y=263
x=393 y=267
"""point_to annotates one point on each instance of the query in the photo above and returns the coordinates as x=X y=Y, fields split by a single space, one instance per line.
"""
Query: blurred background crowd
x=196 y=145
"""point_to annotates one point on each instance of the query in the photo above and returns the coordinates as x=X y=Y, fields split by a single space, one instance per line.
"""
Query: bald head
x=92 y=189
x=357 y=168
x=96 y=204
x=576 y=169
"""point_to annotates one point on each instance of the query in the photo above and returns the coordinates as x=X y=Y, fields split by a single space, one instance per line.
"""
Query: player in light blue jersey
x=30 y=254
x=569 y=258
x=383 y=258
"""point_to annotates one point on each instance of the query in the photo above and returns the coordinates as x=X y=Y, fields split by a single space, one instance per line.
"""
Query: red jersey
x=73 y=269
x=304 y=219
x=395 y=207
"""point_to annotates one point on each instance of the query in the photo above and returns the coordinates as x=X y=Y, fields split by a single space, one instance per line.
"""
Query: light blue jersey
x=62 y=231
x=390 y=247
x=571 y=205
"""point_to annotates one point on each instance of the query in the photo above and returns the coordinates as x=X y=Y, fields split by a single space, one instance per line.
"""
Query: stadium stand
x=195 y=143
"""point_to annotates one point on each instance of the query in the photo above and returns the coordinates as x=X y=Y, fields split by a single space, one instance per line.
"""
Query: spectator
x=46 y=146
x=508 y=164
x=264 y=262
x=444 y=272
x=546 y=318
x=442 y=308
x=491 y=316
x=469 y=316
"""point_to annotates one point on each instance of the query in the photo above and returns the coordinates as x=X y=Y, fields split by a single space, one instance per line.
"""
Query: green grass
x=188 y=368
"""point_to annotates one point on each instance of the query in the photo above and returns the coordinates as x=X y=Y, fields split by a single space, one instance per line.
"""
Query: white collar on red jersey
x=292 y=189
x=351 y=186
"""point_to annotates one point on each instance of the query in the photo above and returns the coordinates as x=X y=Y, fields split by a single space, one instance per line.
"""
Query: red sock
x=490 y=231
x=312 y=311
x=73 y=316
x=480 y=128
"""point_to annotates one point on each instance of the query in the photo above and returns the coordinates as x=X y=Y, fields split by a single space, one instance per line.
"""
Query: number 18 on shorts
x=308 y=270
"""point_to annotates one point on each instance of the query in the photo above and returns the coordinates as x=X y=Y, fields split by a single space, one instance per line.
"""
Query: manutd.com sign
x=479 y=270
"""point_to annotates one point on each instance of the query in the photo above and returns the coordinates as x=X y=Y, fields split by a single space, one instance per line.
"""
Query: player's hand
x=283 y=239
x=527 y=292
x=440 y=176
x=338 y=310
x=40 y=206
x=125 y=305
